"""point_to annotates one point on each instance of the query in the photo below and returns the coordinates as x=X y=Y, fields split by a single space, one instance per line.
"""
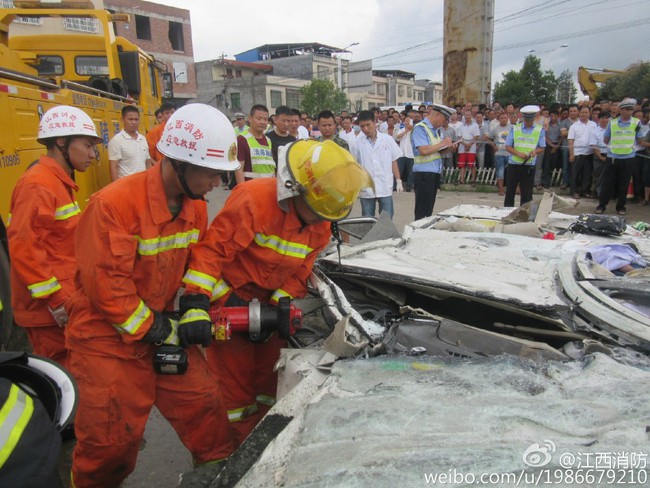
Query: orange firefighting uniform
x=253 y=249
x=42 y=220
x=131 y=257
x=153 y=136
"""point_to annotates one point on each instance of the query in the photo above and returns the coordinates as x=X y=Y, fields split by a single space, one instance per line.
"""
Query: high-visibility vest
x=525 y=143
x=262 y=163
x=622 y=139
x=29 y=442
x=433 y=139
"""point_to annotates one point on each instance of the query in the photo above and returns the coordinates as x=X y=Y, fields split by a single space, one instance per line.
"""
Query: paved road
x=164 y=457
x=404 y=204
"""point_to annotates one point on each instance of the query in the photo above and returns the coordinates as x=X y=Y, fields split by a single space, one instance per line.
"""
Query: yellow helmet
x=328 y=177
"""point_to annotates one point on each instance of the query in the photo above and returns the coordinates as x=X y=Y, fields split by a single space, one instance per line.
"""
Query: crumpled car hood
x=394 y=421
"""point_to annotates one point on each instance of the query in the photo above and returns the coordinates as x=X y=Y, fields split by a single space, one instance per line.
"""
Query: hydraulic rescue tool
x=258 y=320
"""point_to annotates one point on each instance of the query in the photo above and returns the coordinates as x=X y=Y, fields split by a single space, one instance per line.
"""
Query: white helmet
x=201 y=135
x=45 y=379
x=64 y=121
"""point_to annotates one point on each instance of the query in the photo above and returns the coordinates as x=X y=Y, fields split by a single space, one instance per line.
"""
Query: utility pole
x=338 y=64
x=468 y=35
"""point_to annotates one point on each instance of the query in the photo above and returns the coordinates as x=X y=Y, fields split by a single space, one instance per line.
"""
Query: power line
x=553 y=13
x=594 y=30
x=585 y=33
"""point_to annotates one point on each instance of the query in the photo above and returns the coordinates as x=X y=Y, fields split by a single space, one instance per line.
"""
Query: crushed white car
x=469 y=350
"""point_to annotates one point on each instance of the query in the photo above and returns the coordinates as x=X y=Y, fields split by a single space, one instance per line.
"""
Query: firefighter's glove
x=195 y=327
x=163 y=330
x=194 y=300
x=60 y=315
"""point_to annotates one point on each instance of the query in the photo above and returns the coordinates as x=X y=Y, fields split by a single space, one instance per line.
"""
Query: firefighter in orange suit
x=155 y=133
x=42 y=220
x=133 y=243
x=262 y=245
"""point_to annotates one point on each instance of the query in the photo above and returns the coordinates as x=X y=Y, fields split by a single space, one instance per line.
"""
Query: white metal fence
x=487 y=176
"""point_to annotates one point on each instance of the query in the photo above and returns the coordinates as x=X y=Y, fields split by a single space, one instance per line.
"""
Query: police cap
x=627 y=103
x=443 y=109
x=529 y=111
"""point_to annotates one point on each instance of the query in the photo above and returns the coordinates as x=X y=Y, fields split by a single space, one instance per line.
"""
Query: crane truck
x=590 y=78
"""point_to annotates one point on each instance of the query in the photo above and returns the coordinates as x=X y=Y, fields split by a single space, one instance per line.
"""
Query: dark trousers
x=522 y=175
x=637 y=176
x=616 y=178
x=549 y=163
x=425 y=185
x=581 y=170
x=232 y=181
x=598 y=167
x=489 y=157
x=405 y=166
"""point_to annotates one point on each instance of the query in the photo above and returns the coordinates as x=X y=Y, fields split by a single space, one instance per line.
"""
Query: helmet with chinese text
x=66 y=121
x=201 y=135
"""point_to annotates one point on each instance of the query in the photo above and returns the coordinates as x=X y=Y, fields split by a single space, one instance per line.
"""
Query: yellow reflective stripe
x=14 y=417
x=1 y=306
x=173 y=338
x=220 y=290
x=265 y=400
x=137 y=318
x=44 y=288
x=281 y=246
x=279 y=293
x=239 y=414
x=156 y=245
x=8 y=220
x=67 y=211
x=199 y=279
x=193 y=315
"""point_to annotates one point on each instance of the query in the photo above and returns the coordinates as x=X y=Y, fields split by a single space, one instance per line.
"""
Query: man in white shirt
x=305 y=128
x=294 y=124
x=455 y=124
x=347 y=132
x=405 y=163
x=378 y=154
x=469 y=133
x=128 y=152
x=498 y=136
x=597 y=143
x=580 y=154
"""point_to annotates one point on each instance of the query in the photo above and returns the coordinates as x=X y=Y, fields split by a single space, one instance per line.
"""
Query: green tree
x=529 y=85
x=634 y=83
x=566 y=89
x=319 y=95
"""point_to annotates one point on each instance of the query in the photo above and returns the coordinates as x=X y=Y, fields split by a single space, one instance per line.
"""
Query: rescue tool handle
x=256 y=319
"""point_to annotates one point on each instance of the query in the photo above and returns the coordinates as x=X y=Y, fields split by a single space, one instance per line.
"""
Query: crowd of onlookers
x=573 y=134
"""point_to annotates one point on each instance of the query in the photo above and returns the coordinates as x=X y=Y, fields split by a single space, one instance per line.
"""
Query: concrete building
x=235 y=86
x=273 y=74
x=165 y=33
x=375 y=88
x=306 y=61
x=401 y=88
x=432 y=90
